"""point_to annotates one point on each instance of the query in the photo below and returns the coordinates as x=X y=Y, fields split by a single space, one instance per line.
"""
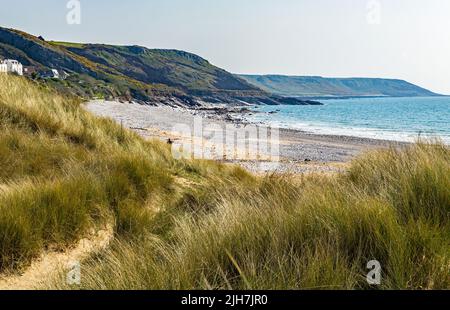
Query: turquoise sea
x=399 y=119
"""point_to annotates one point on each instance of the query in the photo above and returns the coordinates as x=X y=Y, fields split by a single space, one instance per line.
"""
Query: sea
x=396 y=119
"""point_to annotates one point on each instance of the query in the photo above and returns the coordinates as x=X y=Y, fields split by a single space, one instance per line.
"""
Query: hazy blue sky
x=408 y=39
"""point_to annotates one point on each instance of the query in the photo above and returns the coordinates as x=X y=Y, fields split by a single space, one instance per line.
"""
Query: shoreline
x=299 y=151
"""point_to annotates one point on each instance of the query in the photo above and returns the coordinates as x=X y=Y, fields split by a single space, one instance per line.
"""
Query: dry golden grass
x=199 y=224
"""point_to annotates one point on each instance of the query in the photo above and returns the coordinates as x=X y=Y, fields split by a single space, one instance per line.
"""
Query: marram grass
x=202 y=225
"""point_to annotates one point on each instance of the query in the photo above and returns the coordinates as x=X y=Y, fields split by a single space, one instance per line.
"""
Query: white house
x=11 y=66
x=3 y=67
x=55 y=74
x=50 y=74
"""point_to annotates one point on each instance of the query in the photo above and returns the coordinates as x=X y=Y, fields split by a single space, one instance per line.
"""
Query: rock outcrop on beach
x=134 y=73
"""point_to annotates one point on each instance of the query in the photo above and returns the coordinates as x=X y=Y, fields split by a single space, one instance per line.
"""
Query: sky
x=404 y=39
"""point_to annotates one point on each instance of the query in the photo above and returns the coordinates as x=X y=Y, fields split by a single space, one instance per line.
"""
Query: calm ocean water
x=399 y=119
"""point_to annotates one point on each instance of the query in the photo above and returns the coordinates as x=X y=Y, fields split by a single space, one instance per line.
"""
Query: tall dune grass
x=203 y=225
x=282 y=233
x=63 y=171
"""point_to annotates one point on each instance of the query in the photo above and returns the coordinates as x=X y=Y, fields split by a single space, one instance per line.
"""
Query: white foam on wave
x=336 y=130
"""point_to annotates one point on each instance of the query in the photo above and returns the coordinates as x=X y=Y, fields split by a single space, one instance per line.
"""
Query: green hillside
x=312 y=86
x=131 y=72
x=175 y=68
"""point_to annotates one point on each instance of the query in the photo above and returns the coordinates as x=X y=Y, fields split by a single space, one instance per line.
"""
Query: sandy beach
x=298 y=151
